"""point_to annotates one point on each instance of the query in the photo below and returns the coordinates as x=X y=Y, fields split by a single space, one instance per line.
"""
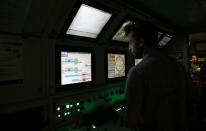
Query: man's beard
x=138 y=53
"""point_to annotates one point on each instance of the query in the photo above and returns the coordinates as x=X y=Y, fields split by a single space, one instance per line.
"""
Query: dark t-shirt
x=158 y=84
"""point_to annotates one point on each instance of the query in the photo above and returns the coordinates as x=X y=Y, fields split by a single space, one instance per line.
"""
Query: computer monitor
x=164 y=41
x=116 y=65
x=120 y=34
x=137 y=61
x=75 y=68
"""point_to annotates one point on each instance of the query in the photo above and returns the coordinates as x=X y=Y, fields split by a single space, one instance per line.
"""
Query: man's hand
x=132 y=114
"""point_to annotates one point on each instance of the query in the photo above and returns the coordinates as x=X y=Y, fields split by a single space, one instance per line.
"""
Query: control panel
x=90 y=110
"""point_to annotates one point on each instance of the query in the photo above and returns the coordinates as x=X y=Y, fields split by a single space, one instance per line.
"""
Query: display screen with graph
x=75 y=67
x=116 y=65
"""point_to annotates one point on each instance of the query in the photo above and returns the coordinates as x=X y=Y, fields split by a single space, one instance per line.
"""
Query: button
x=112 y=93
x=94 y=98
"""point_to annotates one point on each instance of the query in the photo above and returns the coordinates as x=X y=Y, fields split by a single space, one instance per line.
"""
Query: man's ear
x=141 y=42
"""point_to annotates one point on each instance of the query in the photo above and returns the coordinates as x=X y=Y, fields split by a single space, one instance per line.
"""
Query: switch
x=112 y=93
x=121 y=91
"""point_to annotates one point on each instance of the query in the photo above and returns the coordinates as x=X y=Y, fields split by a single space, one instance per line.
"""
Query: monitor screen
x=164 y=41
x=75 y=67
x=137 y=61
x=116 y=65
x=88 y=22
x=120 y=35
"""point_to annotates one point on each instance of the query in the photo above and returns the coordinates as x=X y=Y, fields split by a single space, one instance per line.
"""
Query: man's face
x=135 y=45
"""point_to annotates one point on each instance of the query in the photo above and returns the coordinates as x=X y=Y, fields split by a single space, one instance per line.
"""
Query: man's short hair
x=145 y=30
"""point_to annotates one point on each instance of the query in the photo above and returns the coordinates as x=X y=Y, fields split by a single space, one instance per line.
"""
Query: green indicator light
x=59 y=116
x=75 y=61
x=77 y=103
x=78 y=110
x=58 y=108
x=118 y=109
x=67 y=106
x=68 y=113
x=75 y=69
x=93 y=126
x=71 y=105
x=65 y=114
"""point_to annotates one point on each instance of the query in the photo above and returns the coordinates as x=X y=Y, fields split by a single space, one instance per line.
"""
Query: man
x=155 y=88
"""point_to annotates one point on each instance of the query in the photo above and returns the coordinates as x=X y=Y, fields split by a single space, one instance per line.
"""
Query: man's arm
x=134 y=95
x=132 y=114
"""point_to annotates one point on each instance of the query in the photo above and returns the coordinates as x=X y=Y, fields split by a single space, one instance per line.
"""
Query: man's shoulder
x=147 y=61
x=137 y=69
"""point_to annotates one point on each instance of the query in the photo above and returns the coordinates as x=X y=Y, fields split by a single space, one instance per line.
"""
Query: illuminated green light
x=76 y=61
x=93 y=126
x=58 y=108
x=118 y=109
x=76 y=70
x=65 y=114
x=59 y=116
x=77 y=103
x=68 y=113
x=78 y=110
x=71 y=105
x=67 y=106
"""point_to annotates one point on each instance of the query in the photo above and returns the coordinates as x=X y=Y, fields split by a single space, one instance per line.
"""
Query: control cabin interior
x=44 y=88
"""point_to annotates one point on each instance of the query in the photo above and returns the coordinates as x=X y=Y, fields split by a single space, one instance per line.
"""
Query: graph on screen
x=116 y=65
x=75 y=67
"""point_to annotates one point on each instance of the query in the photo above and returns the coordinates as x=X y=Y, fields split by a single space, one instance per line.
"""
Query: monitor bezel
x=114 y=51
x=73 y=13
x=89 y=84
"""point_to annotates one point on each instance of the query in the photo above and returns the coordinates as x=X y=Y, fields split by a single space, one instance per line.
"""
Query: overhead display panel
x=164 y=40
x=120 y=35
x=88 y=22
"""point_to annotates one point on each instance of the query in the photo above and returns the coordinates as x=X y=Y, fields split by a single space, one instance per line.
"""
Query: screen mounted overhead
x=88 y=22
x=164 y=41
x=120 y=35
